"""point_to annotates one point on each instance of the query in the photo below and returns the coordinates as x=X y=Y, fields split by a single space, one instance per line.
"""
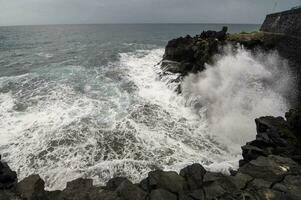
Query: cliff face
x=286 y=27
x=287 y=22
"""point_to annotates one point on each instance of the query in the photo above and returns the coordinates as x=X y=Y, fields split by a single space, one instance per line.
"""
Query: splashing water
x=123 y=120
x=238 y=88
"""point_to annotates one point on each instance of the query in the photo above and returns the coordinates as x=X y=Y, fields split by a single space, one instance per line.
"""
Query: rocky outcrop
x=276 y=136
x=280 y=32
x=189 y=54
x=270 y=170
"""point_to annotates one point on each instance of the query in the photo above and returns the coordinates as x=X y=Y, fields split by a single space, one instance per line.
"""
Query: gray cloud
x=20 y=12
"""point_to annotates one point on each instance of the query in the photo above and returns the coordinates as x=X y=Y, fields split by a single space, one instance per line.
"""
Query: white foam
x=111 y=128
x=237 y=89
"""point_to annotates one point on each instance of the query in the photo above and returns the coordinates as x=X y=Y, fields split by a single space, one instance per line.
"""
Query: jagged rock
x=161 y=194
x=220 y=35
x=83 y=189
x=8 y=195
x=274 y=137
x=185 y=55
x=197 y=194
x=240 y=180
x=8 y=178
x=129 y=191
x=217 y=185
x=172 y=66
x=294 y=121
x=80 y=183
x=212 y=176
x=259 y=183
x=273 y=131
x=32 y=188
x=170 y=181
x=193 y=175
x=113 y=183
x=271 y=168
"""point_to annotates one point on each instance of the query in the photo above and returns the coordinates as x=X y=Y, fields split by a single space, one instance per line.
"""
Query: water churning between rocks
x=100 y=106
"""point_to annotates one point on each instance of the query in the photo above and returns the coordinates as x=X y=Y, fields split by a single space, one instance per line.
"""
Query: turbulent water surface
x=89 y=101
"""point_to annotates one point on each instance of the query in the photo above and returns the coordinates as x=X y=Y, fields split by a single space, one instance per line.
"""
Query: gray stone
x=32 y=188
x=271 y=168
x=170 y=181
x=129 y=191
x=115 y=182
x=161 y=194
x=193 y=175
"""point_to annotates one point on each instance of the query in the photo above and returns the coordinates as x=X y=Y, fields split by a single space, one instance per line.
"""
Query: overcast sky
x=22 y=12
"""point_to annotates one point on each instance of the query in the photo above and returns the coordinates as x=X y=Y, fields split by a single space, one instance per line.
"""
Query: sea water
x=90 y=101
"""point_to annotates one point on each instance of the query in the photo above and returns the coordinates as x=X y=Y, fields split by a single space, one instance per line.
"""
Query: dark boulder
x=220 y=35
x=198 y=194
x=8 y=178
x=114 y=183
x=128 y=191
x=275 y=136
x=170 y=181
x=217 y=185
x=32 y=188
x=294 y=121
x=80 y=183
x=82 y=189
x=189 y=54
x=271 y=169
x=193 y=175
x=160 y=194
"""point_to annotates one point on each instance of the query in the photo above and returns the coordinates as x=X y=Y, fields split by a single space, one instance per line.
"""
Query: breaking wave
x=124 y=120
x=238 y=88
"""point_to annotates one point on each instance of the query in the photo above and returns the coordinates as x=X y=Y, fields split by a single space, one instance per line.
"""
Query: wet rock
x=188 y=55
x=83 y=189
x=220 y=35
x=273 y=131
x=179 y=49
x=80 y=183
x=240 y=180
x=172 y=66
x=160 y=194
x=290 y=185
x=212 y=176
x=32 y=188
x=294 y=121
x=8 y=195
x=129 y=191
x=271 y=168
x=8 y=178
x=193 y=175
x=217 y=185
x=274 y=137
x=114 y=183
x=197 y=194
x=170 y=181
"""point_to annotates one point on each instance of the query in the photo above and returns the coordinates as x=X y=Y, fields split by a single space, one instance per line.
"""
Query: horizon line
x=146 y=23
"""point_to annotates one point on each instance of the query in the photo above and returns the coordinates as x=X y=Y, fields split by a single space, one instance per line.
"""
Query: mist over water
x=238 y=88
x=79 y=101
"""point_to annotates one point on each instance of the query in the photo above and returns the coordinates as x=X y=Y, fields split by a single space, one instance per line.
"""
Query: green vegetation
x=244 y=36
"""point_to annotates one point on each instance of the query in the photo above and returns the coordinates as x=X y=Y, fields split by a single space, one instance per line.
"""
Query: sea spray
x=238 y=88
x=119 y=120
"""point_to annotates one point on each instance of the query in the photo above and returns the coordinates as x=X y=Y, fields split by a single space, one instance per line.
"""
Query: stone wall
x=287 y=22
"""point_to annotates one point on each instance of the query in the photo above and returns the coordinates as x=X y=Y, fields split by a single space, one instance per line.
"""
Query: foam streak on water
x=123 y=120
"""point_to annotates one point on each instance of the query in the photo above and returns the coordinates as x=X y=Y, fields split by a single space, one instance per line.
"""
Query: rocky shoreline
x=270 y=169
x=271 y=164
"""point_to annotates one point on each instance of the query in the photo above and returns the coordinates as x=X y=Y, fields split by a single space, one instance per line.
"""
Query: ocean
x=90 y=101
